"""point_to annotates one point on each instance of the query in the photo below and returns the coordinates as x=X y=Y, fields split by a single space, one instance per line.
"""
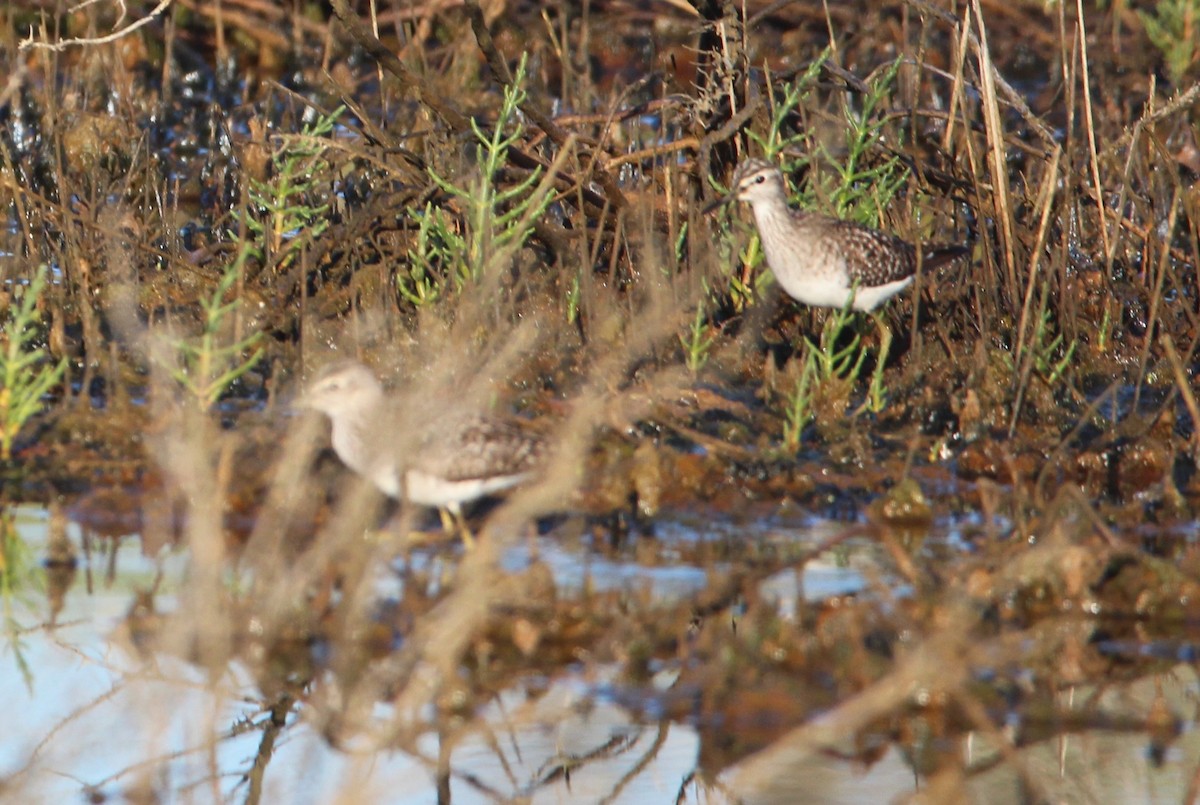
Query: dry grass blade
x=996 y=150
x=1024 y=361
x=717 y=565
x=1090 y=128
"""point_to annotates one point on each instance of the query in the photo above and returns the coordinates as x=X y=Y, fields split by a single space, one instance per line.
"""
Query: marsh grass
x=550 y=266
x=283 y=212
x=208 y=364
x=25 y=375
x=1172 y=27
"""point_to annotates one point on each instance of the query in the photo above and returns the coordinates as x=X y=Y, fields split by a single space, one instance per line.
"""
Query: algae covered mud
x=768 y=555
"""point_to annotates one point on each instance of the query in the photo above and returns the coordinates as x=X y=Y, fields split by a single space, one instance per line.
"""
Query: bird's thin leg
x=468 y=537
x=453 y=522
x=874 y=400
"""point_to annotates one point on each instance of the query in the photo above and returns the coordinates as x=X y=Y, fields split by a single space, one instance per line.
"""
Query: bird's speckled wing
x=873 y=258
x=479 y=447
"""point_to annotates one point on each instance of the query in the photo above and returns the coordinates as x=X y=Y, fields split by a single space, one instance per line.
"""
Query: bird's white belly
x=386 y=480
x=816 y=290
x=824 y=285
x=430 y=490
x=874 y=296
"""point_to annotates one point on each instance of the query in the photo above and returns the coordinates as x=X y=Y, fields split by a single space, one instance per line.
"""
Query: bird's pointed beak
x=717 y=202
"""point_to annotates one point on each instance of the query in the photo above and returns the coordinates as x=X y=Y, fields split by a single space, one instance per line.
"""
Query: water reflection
x=100 y=716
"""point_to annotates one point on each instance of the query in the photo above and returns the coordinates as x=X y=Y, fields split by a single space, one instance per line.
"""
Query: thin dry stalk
x=1156 y=296
x=938 y=664
x=978 y=715
x=1022 y=361
x=29 y=43
x=957 y=87
x=1090 y=123
x=1184 y=385
x=189 y=450
x=997 y=162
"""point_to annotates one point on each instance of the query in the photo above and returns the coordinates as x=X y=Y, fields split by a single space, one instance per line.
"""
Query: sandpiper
x=823 y=261
x=459 y=459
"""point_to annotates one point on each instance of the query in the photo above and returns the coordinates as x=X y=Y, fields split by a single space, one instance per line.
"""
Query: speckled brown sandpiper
x=823 y=261
x=459 y=459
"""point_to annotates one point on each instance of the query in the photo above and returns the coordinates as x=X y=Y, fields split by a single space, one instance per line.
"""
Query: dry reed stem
x=1025 y=362
x=957 y=88
x=197 y=458
x=184 y=450
x=1184 y=385
x=978 y=715
x=29 y=43
x=938 y=664
x=436 y=102
x=944 y=663
x=1156 y=294
x=1090 y=126
x=997 y=163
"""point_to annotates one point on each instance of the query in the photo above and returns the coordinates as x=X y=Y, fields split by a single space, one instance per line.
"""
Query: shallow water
x=746 y=633
x=101 y=717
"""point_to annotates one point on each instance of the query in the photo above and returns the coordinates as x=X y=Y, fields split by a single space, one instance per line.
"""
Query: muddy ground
x=498 y=207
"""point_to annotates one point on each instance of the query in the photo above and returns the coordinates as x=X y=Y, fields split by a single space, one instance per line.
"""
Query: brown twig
x=532 y=110
x=453 y=118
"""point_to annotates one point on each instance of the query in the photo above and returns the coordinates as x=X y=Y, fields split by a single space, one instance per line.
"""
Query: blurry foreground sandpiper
x=822 y=261
x=460 y=459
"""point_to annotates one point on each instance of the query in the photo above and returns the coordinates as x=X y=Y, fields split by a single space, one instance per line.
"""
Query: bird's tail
x=936 y=256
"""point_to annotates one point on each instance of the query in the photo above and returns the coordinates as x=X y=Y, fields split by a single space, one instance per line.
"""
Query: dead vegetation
x=500 y=204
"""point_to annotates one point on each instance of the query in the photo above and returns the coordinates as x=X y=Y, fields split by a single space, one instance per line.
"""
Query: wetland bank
x=761 y=564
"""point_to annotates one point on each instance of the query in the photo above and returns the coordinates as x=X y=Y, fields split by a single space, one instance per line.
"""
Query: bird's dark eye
x=759 y=179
